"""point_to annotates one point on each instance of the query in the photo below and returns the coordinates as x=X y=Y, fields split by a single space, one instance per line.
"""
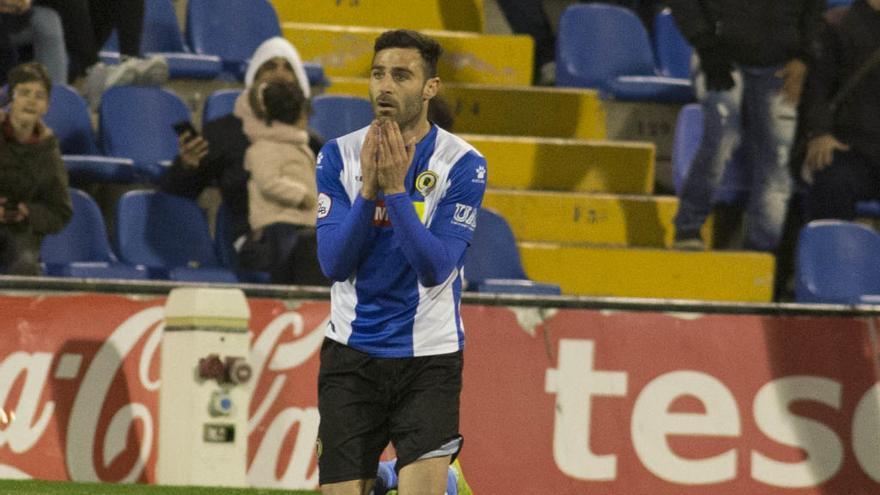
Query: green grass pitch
x=34 y=487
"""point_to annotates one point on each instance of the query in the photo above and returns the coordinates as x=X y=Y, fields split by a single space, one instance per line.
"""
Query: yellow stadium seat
x=567 y=165
x=577 y=218
x=652 y=273
x=346 y=51
x=453 y=15
x=512 y=110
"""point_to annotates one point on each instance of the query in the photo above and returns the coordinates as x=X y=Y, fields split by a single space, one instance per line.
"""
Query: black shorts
x=365 y=402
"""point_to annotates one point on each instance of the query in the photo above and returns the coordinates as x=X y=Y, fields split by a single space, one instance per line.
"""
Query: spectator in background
x=40 y=27
x=216 y=157
x=87 y=26
x=34 y=199
x=281 y=189
x=528 y=17
x=752 y=57
x=843 y=153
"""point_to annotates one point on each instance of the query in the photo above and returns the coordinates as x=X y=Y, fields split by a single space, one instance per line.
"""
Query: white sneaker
x=689 y=244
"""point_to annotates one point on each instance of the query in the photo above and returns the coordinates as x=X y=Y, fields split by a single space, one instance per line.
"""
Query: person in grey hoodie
x=281 y=190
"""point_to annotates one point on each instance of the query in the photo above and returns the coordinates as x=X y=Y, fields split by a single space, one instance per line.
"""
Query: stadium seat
x=161 y=36
x=607 y=48
x=169 y=235
x=337 y=115
x=837 y=263
x=219 y=103
x=492 y=262
x=230 y=29
x=671 y=48
x=136 y=123
x=837 y=3
x=69 y=119
x=685 y=143
x=81 y=249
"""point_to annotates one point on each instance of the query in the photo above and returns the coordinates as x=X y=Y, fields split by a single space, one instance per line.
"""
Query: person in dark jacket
x=34 y=200
x=216 y=157
x=843 y=151
x=752 y=58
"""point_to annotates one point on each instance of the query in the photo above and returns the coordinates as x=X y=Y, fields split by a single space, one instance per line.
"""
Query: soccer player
x=397 y=206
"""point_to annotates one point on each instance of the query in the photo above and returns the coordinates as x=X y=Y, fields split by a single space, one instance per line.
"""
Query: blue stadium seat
x=69 y=119
x=337 y=115
x=607 y=48
x=136 y=123
x=81 y=249
x=219 y=103
x=671 y=48
x=837 y=262
x=492 y=262
x=161 y=36
x=837 y=3
x=169 y=235
x=230 y=29
x=734 y=186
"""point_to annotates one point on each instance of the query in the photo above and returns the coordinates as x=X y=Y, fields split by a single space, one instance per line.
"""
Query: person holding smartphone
x=34 y=199
x=216 y=156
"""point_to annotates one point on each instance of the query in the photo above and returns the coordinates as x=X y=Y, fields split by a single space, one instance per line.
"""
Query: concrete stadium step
x=467 y=57
x=595 y=219
x=653 y=273
x=511 y=110
x=546 y=164
x=453 y=15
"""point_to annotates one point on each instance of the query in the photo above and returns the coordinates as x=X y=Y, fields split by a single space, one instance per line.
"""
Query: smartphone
x=185 y=126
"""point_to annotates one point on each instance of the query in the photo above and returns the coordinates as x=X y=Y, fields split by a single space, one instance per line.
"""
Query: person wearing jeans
x=751 y=68
x=756 y=117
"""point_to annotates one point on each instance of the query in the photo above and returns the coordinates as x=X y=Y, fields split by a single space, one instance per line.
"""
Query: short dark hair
x=428 y=47
x=29 y=72
x=283 y=101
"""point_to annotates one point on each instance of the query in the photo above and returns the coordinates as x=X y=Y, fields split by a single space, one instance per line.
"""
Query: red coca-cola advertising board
x=556 y=401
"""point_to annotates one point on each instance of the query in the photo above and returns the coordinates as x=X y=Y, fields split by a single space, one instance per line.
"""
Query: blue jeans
x=47 y=37
x=753 y=117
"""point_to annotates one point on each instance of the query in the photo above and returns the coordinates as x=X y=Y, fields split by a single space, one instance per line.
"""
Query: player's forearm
x=340 y=245
x=429 y=256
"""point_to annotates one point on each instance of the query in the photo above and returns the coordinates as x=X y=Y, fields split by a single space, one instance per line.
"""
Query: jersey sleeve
x=333 y=200
x=456 y=214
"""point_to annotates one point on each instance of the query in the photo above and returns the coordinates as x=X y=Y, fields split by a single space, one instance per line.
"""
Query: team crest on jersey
x=324 y=204
x=426 y=182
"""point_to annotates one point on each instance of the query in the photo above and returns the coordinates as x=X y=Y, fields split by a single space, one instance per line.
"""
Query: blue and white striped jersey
x=382 y=308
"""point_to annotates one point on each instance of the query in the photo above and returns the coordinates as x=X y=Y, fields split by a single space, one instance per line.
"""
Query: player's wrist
x=368 y=193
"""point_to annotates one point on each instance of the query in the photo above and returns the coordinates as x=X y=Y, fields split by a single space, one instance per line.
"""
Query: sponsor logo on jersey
x=380 y=215
x=320 y=158
x=324 y=205
x=465 y=216
x=426 y=182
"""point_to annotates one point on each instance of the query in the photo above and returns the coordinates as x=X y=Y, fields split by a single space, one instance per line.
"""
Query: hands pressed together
x=385 y=159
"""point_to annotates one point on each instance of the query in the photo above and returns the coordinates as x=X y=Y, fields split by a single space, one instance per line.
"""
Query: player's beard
x=406 y=112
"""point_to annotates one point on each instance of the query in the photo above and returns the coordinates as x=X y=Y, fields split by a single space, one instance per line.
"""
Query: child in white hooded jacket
x=281 y=188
